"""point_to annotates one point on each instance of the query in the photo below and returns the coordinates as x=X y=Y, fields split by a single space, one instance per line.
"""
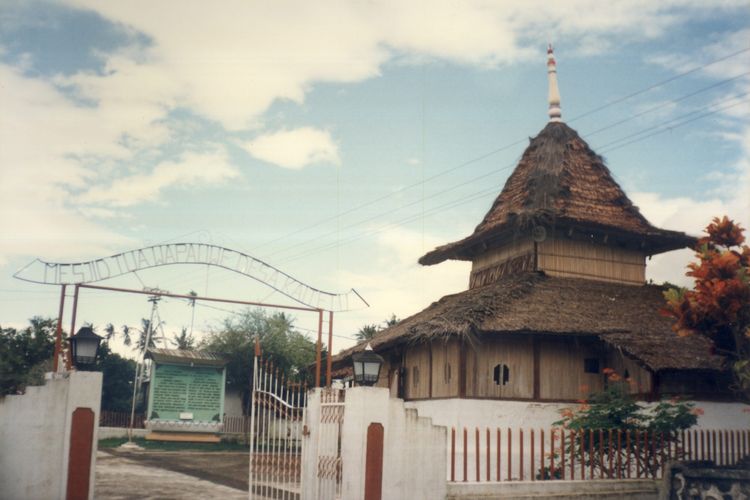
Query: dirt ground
x=148 y=474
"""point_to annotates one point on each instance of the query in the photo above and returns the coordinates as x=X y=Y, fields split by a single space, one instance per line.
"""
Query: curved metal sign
x=57 y=273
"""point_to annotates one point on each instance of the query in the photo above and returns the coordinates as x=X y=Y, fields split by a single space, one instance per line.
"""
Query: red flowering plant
x=613 y=434
x=718 y=305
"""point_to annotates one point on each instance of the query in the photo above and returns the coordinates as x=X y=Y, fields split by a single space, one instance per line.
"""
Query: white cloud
x=190 y=170
x=295 y=148
x=396 y=283
x=230 y=62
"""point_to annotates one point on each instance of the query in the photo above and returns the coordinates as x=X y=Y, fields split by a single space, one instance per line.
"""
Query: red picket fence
x=120 y=419
x=562 y=454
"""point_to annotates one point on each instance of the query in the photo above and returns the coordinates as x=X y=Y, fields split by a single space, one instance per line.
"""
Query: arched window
x=415 y=376
x=501 y=374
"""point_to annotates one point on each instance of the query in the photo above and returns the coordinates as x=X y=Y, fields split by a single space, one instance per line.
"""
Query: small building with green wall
x=185 y=395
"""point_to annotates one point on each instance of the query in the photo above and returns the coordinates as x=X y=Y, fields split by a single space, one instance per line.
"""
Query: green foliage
x=24 y=354
x=184 y=340
x=368 y=331
x=117 y=379
x=614 y=410
x=289 y=350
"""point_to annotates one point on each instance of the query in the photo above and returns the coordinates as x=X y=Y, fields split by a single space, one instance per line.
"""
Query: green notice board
x=179 y=390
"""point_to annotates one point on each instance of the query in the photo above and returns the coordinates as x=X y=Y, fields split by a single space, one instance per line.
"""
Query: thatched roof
x=560 y=182
x=624 y=316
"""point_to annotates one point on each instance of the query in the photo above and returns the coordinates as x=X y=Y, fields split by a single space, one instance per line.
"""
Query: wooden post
x=58 y=330
x=329 y=358
x=374 y=462
x=79 y=456
x=318 y=349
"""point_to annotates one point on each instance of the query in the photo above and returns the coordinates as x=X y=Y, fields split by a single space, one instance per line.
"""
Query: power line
x=658 y=84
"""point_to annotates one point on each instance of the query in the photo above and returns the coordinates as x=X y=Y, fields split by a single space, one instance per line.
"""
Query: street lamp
x=84 y=346
x=366 y=366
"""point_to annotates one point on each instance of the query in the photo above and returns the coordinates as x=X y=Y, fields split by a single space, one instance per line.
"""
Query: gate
x=329 y=444
x=276 y=424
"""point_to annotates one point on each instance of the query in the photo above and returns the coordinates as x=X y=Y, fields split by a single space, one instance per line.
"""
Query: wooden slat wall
x=445 y=380
x=562 y=373
x=640 y=378
x=489 y=258
x=579 y=259
x=383 y=378
x=515 y=352
x=417 y=356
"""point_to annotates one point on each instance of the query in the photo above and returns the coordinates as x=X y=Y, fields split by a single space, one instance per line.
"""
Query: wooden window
x=501 y=374
x=415 y=376
x=447 y=373
x=591 y=365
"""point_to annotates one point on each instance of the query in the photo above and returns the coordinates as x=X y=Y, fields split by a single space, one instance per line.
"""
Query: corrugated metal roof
x=179 y=356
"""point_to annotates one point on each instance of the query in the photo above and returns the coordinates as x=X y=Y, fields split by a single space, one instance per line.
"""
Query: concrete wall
x=414 y=450
x=633 y=489
x=35 y=435
x=488 y=413
x=482 y=414
x=120 y=432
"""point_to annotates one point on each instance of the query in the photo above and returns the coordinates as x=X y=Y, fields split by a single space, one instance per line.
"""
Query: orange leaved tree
x=718 y=305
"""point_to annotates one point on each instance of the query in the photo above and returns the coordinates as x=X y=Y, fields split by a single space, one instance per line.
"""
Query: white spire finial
x=555 y=114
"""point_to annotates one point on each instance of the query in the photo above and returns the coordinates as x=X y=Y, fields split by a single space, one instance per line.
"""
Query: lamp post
x=84 y=346
x=367 y=366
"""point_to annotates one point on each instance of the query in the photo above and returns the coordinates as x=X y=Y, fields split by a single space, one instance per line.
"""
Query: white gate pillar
x=310 y=435
x=414 y=450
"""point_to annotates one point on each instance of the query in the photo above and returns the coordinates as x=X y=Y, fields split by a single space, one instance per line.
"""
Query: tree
x=26 y=354
x=117 y=379
x=598 y=420
x=368 y=331
x=718 y=305
x=184 y=341
x=289 y=350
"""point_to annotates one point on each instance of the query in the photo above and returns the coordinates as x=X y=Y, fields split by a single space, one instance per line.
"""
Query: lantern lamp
x=84 y=346
x=367 y=366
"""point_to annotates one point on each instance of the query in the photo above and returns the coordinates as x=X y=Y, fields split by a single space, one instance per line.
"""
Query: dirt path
x=170 y=475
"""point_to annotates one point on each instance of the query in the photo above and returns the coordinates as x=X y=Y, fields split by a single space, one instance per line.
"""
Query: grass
x=174 y=445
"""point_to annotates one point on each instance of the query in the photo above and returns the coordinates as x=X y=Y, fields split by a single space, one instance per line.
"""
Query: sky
x=339 y=141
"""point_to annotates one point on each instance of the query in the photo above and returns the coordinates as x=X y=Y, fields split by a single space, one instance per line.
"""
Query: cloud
x=417 y=286
x=295 y=148
x=230 y=63
x=192 y=169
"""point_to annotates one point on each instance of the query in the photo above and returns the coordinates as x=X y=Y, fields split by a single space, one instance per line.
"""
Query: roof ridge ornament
x=555 y=113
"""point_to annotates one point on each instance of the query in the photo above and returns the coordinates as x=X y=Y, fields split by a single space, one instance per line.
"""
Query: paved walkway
x=121 y=478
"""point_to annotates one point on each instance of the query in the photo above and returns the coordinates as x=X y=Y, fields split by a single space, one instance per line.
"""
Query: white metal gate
x=276 y=424
x=329 y=444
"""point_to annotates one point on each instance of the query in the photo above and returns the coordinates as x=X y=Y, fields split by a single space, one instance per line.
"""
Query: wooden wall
x=581 y=259
x=515 y=248
x=561 y=361
x=417 y=365
x=640 y=379
x=561 y=371
x=515 y=352
x=445 y=368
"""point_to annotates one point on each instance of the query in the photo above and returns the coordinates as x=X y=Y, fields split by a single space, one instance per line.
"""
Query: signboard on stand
x=186 y=395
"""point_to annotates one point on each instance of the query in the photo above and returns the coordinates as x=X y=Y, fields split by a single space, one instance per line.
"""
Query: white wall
x=414 y=450
x=35 y=435
x=517 y=414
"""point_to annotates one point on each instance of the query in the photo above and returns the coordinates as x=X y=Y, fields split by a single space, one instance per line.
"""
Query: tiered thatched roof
x=561 y=183
x=624 y=316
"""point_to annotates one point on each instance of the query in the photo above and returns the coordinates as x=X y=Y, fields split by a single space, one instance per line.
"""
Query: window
x=447 y=373
x=591 y=365
x=501 y=374
x=415 y=376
